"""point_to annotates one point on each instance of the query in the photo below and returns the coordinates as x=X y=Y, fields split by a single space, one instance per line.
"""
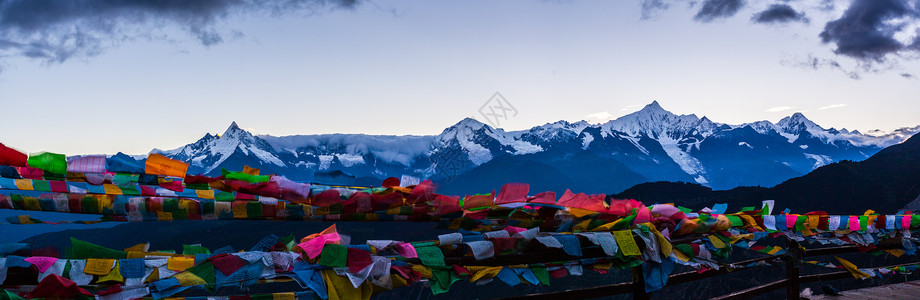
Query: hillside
x=885 y=182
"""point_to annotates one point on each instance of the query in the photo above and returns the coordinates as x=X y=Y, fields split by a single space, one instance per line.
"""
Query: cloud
x=55 y=31
x=868 y=28
x=631 y=107
x=907 y=75
x=650 y=8
x=600 y=116
x=839 y=105
x=716 y=9
x=779 y=13
x=778 y=108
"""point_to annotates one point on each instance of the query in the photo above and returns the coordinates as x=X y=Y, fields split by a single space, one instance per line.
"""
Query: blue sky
x=88 y=78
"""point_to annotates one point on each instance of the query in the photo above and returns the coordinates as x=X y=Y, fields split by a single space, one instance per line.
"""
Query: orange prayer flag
x=158 y=164
x=250 y=170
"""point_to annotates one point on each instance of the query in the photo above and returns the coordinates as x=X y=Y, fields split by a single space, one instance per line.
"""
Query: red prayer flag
x=11 y=157
x=390 y=182
x=358 y=260
x=513 y=192
x=582 y=201
x=544 y=197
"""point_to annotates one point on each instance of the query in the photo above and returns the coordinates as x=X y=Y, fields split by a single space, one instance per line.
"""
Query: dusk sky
x=92 y=77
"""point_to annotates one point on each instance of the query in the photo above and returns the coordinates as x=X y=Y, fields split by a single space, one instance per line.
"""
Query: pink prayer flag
x=315 y=246
x=790 y=221
x=42 y=262
x=86 y=164
x=643 y=215
x=406 y=250
x=512 y=230
x=853 y=223
x=905 y=222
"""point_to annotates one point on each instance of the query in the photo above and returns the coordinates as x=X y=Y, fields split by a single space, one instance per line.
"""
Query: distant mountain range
x=649 y=145
x=886 y=182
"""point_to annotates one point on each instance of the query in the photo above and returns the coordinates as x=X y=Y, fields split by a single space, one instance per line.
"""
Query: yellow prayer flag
x=205 y=194
x=680 y=255
x=164 y=216
x=852 y=268
x=154 y=276
x=579 y=212
x=158 y=164
x=626 y=242
x=24 y=219
x=180 y=263
x=895 y=252
x=423 y=270
x=607 y=226
x=111 y=189
x=339 y=287
x=663 y=243
x=375 y=217
x=98 y=266
x=284 y=296
x=582 y=226
x=114 y=275
x=716 y=242
x=23 y=184
x=31 y=203
x=774 y=250
x=485 y=273
x=811 y=221
x=142 y=247
x=189 y=279
x=239 y=211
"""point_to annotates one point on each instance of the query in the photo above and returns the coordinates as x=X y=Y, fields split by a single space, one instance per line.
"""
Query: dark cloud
x=907 y=75
x=55 y=31
x=716 y=9
x=867 y=28
x=779 y=13
x=650 y=8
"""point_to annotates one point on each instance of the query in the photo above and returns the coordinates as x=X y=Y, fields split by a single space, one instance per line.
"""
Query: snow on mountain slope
x=211 y=151
x=471 y=135
x=652 y=141
x=403 y=150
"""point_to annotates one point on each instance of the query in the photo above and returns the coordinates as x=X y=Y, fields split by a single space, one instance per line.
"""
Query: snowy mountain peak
x=797 y=123
x=235 y=130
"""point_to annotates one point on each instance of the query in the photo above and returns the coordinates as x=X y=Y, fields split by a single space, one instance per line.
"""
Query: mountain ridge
x=650 y=144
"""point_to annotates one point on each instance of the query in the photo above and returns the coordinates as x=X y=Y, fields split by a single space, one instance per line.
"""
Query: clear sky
x=97 y=77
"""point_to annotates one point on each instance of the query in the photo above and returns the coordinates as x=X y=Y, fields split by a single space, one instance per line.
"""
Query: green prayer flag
x=686 y=249
x=244 y=177
x=430 y=256
x=223 y=196
x=7 y=295
x=194 y=249
x=82 y=250
x=541 y=273
x=736 y=221
x=254 y=210
x=442 y=279
x=205 y=271
x=51 y=162
x=335 y=256
x=262 y=297
x=41 y=185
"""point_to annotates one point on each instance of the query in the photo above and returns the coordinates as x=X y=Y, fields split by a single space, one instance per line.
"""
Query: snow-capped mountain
x=651 y=144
